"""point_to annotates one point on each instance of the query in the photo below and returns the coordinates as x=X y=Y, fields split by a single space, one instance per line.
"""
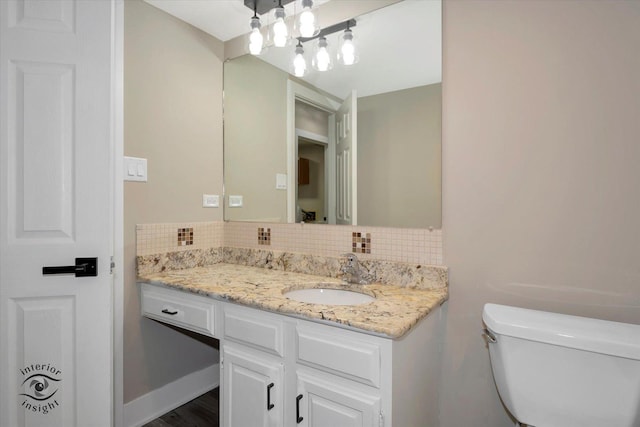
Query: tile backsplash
x=171 y=237
x=421 y=246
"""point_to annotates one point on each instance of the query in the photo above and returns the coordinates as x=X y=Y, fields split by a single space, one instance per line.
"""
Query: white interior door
x=347 y=161
x=56 y=205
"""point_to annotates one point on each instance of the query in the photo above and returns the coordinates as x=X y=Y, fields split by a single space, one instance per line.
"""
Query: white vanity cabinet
x=193 y=312
x=252 y=368
x=282 y=371
x=323 y=401
x=252 y=388
x=339 y=377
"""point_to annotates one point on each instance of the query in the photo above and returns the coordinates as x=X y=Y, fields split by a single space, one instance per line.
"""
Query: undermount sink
x=328 y=296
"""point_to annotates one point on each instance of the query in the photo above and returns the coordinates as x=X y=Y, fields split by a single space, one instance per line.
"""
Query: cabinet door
x=252 y=388
x=335 y=402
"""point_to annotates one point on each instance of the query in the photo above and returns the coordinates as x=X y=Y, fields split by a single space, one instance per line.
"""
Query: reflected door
x=346 y=161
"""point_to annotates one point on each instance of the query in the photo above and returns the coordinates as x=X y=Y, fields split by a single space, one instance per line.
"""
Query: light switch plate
x=281 y=181
x=210 y=201
x=235 y=201
x=135 y=169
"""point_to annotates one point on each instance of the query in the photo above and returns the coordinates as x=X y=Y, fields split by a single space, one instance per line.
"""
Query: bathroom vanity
x=289 y=363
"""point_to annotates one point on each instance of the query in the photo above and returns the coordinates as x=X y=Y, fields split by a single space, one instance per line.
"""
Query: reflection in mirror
x=358 y=145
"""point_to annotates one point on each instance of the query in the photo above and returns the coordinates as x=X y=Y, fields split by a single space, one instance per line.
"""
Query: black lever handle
x=84 y=267
x=298 y=417
x=269 y=404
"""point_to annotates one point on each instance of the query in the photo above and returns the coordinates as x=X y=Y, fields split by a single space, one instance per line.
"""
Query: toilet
x=556 y=370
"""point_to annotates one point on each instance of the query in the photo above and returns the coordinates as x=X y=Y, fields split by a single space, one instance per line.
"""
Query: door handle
x=269 y=404
x=84 y=267
x=298 y=417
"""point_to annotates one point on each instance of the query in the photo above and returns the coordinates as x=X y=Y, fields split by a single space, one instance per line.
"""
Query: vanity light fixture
x=321 y=58
x=256 y=39
x=299 y=63
x=279 y=30
x=306 y=22
x=347 y=52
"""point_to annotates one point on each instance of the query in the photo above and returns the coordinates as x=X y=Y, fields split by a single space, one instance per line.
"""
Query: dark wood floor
x=200 y=412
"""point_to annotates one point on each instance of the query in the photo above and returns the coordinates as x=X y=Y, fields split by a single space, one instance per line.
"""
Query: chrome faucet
x=353 y=271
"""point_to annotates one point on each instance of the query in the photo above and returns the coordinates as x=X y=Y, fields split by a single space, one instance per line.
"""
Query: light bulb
x=255 y=42
x=280 y=31
x=347 y=51
x=322 y=59
x=306 y=22
x=255 y=38
x=299 y=63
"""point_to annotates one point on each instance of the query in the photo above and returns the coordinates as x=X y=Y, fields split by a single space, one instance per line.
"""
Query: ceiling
x=400 y=45
x=223 y=19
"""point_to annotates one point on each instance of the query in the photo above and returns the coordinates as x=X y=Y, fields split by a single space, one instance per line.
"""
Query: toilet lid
x=600 y=336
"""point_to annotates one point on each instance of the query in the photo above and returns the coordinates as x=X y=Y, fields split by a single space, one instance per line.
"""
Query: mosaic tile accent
x=405 y=257
x=361 y=243
x=160 y=238
x=264 y=236
x=185 y=236
x=408 y=245
x=411 y=245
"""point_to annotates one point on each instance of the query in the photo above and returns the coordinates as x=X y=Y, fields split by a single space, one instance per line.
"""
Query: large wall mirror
x=353 y=145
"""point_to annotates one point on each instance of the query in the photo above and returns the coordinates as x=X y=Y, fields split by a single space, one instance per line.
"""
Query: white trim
x=315 y=137
x=117 y=112
x=168 y=397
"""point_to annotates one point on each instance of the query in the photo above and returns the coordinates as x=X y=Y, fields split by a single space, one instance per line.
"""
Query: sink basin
x=328 y=296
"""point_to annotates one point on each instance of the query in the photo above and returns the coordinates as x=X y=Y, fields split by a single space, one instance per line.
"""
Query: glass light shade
x=279 y=30
x=299 y=63
x=256 y=40
x=347 y=51
x=306 y=22
x=321 y=58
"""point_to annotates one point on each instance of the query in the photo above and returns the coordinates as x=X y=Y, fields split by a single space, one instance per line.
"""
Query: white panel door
x=326 y=402
x=347 y=161
x=252 y=389
x=56 y=205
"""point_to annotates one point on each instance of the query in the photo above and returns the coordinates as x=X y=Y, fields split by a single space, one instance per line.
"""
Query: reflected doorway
x=313 y=178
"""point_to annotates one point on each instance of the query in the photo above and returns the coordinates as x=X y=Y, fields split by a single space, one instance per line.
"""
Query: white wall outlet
x=235 y=201
x=210 y=201
x=135 y=169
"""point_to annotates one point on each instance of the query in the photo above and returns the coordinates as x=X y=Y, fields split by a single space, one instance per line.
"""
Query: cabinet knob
x=298 y=417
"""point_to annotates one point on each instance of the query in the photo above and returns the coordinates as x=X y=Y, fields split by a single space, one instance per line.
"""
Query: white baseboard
x=167 y=398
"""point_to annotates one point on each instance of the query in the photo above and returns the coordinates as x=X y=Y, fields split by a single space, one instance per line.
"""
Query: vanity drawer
x=179 y=308
x=339 y=352
x=254 y=328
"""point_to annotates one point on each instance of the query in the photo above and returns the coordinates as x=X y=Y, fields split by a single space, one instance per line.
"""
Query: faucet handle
x=351 y=258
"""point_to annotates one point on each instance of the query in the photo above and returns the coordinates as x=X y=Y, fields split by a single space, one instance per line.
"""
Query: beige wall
x=255 y=150
x=399 y=158
x=541 y=155
x=172 y=117
x=311 y=119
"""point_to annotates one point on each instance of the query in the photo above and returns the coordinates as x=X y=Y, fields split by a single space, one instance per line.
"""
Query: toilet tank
x=555 y=370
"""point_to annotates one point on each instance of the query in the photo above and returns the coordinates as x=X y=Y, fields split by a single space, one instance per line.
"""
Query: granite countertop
x=393 y=313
